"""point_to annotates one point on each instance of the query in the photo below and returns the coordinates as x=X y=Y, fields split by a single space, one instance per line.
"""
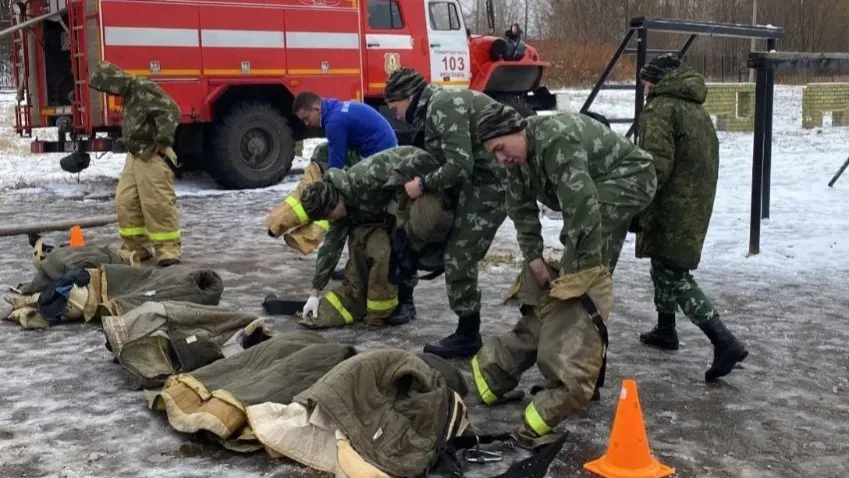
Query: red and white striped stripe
x=187 y=37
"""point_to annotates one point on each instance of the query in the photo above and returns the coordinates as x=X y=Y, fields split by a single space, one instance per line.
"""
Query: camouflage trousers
x=146 y=205
x=674 y=287
x=479 y=213
x=366 y=294
x=556 y=333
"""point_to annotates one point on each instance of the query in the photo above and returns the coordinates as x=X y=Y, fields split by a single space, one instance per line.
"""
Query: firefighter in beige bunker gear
x=359 y=204
x=600 y=181
x=145 y=199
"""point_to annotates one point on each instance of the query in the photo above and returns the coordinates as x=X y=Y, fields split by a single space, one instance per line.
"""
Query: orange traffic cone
x=77 y=237
x=628 y=454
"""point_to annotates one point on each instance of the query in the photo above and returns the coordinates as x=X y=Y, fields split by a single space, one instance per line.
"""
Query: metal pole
x=754 y=42
x=606 y=73
x=30 y=22
x=643 y=39
x=86 y=222
x=838 y=173
x=767 y=172
x=757 y=163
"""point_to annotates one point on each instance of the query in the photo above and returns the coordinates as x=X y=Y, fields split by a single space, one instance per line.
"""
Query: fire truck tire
x=253 y=147
x=516 y=102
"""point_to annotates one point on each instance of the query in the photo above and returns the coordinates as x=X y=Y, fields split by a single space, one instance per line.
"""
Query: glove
x=311 y=307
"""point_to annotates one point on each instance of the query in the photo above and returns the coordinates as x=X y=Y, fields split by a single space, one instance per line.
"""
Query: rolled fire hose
x=86 y=222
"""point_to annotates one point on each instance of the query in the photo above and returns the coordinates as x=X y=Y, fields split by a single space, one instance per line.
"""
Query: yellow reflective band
x=483 y=389
x=131 y=231
x=323 y=224
x=382 y=304
x=535 y=421
x=164 y=236
x=337 y=304
x=296 y=206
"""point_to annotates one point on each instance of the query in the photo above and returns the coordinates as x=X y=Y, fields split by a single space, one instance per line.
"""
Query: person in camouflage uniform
x=469 y=173
x=290 y=220
x=361 y=204
x=600 y=181
x=679 y=133
x=145 y=200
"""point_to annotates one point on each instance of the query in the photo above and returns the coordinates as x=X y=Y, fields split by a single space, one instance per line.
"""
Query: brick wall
x=819 y=98
x=733 y=104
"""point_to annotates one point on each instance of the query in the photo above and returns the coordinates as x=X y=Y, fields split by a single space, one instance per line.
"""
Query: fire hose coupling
x=476 y=455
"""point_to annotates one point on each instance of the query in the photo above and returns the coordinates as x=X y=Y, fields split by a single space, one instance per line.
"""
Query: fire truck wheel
x=253 y=147
x=516 y=102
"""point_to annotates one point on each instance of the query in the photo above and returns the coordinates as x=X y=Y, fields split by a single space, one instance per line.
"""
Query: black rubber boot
x=406 y=310
x=168 y=262
x=463 y=343
x=663 y=335
x=338 y=274
x=727 y=350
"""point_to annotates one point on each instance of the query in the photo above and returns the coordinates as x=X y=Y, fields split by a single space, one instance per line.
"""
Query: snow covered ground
x=66 y=412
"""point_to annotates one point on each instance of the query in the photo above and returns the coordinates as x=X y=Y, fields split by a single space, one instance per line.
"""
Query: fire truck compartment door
x=449 y=48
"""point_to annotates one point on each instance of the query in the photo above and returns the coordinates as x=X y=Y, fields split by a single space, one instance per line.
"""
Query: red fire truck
x=234 y=68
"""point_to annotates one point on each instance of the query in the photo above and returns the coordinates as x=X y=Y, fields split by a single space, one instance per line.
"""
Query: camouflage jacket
x=448 y=119
x=369 y=189
x=679 y=133
x=574 y=164
x=151 y=116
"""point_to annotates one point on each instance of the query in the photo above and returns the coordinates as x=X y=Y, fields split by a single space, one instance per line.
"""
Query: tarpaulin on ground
x=159 y=339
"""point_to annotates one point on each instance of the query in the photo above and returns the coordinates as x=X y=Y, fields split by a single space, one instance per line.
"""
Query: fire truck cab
x=234 y=68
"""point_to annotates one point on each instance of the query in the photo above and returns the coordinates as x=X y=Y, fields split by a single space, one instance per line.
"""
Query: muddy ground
x=66 y=411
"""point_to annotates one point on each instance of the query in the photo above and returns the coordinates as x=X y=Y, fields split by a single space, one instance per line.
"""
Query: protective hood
x=110 y=79
x=683 y=83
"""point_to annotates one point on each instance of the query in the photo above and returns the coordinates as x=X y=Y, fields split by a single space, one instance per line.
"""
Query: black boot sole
x=658 y=344
x=725 y=364
x=460 y=352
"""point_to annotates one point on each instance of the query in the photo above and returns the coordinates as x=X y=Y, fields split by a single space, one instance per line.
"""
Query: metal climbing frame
x=765 y=64
x=640 y=28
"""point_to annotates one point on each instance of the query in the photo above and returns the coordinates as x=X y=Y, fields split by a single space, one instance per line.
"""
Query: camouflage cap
x=109 y=78
x=497 y=120
x=402 y=83
x=319 y=199
x=658 y=67
x=429 y=221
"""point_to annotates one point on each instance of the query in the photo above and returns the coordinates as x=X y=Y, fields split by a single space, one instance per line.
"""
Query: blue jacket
x=354 y=125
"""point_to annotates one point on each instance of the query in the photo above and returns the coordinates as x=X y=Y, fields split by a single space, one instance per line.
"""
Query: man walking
x=145 y=200
x=679 y=133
